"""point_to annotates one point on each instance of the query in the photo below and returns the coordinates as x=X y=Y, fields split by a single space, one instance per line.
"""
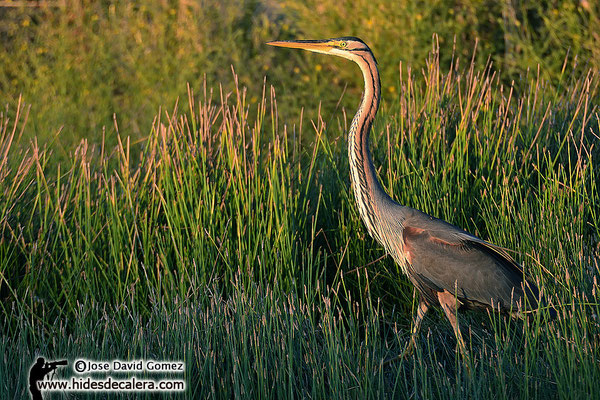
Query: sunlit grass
x=230 y=243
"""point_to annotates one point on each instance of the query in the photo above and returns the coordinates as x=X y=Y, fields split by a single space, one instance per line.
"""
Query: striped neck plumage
x=367 y=189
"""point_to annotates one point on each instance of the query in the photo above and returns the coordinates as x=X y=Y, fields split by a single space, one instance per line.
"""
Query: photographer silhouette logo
x=38 y=371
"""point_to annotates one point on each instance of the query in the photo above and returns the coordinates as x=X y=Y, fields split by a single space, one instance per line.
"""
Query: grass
x=222 y=239
x=80 y=64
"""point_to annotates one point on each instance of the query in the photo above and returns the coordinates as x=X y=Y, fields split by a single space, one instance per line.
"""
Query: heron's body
x=448 y=266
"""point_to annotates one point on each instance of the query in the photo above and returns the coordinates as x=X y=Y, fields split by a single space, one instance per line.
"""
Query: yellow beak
x=319 y=46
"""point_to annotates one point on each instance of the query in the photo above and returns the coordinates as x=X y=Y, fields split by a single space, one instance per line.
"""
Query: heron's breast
x=392 y=240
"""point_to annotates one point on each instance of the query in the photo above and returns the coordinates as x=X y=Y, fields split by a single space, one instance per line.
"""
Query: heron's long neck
x=369 y=194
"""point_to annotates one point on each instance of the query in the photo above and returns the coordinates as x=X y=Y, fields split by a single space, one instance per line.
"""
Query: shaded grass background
x=79 y=64
x=228 y=236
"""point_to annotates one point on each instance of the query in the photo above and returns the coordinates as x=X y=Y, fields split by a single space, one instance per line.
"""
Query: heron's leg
x=421 y=310
x=449 y=304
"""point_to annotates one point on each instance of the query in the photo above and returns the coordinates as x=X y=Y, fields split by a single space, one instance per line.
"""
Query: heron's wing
x=444 y=257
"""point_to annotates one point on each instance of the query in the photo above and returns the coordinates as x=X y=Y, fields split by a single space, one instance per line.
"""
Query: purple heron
x=448 y=266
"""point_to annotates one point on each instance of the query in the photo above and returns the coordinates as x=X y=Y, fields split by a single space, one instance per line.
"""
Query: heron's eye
x=343 y=44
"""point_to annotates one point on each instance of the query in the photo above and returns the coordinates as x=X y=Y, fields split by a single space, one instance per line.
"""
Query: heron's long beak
x=319 y=46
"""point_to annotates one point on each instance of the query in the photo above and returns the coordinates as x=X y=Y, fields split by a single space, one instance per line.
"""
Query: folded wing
x=444 y=257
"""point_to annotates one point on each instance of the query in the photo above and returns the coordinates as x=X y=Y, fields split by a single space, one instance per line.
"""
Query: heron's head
x=346 y=47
